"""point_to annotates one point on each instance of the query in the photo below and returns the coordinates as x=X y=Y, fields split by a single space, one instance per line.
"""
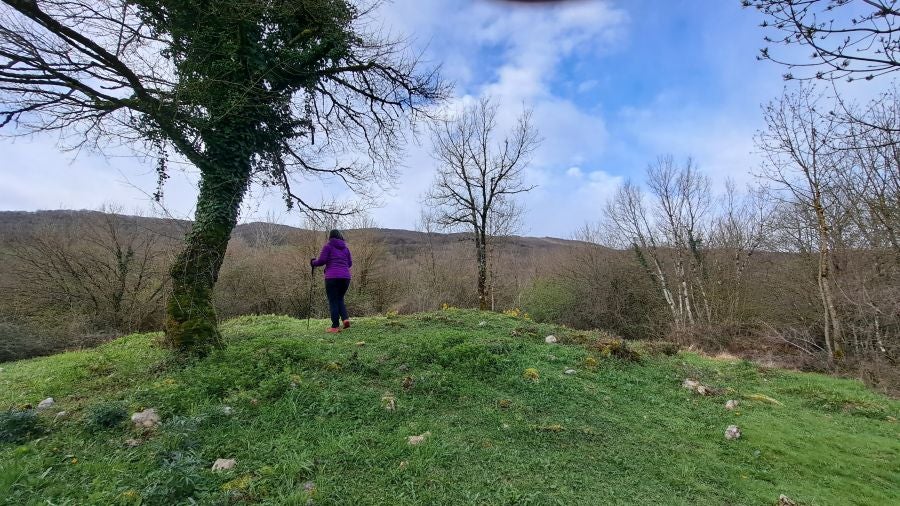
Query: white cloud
x=525 y=57
x=515 y=53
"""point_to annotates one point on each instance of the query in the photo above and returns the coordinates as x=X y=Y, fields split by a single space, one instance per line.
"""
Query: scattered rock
x=360 y=343
x=690 y=384
x=131 y=443
x=732 y=432
x=403 y=464
x=551 y=340
x=61 y=414
x=46 y=403
x=784 y=500
x=482 y=323
x=147 y=418
x=227 y=410
x=697 y=387
x=223 y=464
x=403 y=368
x=570 y=371
x=505 y=426
x=309 y=486
x=389 y=402
x=414 y=440
x=731 y=404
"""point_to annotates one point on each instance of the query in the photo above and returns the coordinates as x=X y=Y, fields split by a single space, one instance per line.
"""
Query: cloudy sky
x=612 y=84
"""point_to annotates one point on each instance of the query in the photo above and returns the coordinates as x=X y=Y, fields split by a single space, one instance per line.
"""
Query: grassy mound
x=327 y=418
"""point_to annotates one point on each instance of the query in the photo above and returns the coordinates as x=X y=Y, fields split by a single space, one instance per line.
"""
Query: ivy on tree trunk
x=191 y=322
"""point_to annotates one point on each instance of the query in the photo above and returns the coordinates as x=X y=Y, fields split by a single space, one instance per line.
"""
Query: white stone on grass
x=551 y=340
x=570 y=371
x=46 y=403
x=732 y=432
x=696 y=386
x=414 y=440
x=146 y=419
x=784 y=500
x=690 y=384
x=227 y=410
x=223 y=464
x=731 y=404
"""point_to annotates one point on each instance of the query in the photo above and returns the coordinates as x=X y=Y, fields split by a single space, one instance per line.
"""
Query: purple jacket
x=335 y=256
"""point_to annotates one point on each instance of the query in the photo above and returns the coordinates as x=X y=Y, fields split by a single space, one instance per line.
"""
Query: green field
x=310 y=422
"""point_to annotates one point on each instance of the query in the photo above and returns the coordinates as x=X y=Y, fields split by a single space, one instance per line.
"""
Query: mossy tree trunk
x=481 y=252
x=191 y=322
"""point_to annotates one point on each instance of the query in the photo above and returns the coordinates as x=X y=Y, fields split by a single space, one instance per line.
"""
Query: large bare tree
x=478 y=175
x=242 y=89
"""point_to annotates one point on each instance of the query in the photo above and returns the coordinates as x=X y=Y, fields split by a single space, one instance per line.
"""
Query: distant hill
x=400 y=243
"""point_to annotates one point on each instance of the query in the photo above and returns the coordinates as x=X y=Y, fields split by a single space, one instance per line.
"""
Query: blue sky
x=613 y=84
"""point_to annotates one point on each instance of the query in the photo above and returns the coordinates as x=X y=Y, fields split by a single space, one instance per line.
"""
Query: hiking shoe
x=333 y=330
x=346 y=324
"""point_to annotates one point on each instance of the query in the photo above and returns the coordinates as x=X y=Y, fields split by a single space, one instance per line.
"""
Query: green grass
x=308 y=408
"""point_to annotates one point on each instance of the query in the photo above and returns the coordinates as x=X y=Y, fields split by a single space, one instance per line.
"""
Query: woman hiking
x=335 y=256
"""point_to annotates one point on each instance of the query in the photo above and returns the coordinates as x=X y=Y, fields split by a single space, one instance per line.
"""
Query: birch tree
x=800 y=159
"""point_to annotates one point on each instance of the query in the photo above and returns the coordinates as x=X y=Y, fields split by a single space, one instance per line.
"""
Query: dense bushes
x=551 y=301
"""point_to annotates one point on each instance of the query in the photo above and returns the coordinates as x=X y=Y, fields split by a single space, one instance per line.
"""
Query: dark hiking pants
x=336 y=289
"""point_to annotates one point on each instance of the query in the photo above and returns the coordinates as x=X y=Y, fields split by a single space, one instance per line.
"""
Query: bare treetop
x=847 y=39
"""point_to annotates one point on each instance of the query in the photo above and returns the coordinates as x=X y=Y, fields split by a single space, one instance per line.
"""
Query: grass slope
x=308 y=422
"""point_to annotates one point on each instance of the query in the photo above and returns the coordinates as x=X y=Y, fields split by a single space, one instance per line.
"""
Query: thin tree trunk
x=483 y=303
x=191 y=323
x=833 y=327
x=659 y=276
x=828 y=337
